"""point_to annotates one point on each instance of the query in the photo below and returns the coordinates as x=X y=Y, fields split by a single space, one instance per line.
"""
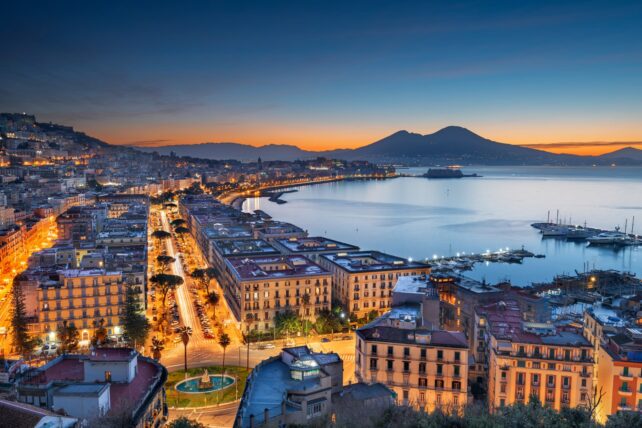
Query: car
x=325 y=340
x=346 y=337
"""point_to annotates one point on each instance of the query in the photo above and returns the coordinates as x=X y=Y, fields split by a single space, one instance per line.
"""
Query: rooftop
x=378 y=331
x=271 y=267
x=315 y=244
x=244 y=247
x=371 y=261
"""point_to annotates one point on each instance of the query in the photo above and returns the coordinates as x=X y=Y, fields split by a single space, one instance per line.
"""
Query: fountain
x=204 y=383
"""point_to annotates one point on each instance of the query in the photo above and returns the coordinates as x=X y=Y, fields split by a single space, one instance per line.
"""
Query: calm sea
x=422 y=218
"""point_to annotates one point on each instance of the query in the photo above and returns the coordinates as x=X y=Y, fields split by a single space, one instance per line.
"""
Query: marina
x=593 y=236
x=464 y=262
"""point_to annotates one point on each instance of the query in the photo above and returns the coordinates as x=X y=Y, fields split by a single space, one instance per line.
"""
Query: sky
x=325 y=74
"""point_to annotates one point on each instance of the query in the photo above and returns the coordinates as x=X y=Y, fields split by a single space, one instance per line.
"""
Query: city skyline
x=330 y=75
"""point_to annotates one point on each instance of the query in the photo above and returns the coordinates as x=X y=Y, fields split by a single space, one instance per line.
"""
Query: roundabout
x=205 y=386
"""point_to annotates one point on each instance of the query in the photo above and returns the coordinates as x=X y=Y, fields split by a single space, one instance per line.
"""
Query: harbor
x=464 y=262
x=593 y=236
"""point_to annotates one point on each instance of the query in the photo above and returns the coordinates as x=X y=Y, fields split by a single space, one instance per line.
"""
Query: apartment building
x=299 y=386
x=82 y=297
x=427 y=368
x=525 y=359
x=262 y=286
x=109 y=382
x=362 y=281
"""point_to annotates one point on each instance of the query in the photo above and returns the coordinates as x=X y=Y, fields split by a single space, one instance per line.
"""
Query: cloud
x=582 y=144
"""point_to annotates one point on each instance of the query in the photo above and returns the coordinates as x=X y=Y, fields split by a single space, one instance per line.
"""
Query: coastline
x=236 y=199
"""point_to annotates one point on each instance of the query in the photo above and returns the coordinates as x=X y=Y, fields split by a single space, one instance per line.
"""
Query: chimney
x=251 y=421
x=266 y=415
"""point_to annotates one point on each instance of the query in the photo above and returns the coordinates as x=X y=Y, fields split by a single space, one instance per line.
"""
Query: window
x=456 y=370
x=107 y=376
x=406 y=352
x=440 y=355
x=422 y=367
x=390 y=365
x=373 y=349
x=423 y=382
x=390 y=350
x=422 y=397
x=440 y=369
x=439 y=383
x=373 y=364
x=456 y=400
x=438 y=399
x=456 y=385
x=423 y=354
x=457 y=356
x=405 y=394
x=625 y=371
x=551 y=353
x=406 y=366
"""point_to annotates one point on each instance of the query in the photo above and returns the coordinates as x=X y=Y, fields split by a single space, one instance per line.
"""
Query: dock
x=464 y=262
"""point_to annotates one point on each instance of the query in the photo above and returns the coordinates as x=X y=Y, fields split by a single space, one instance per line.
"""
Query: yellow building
x=82 y=297
x=526 y=359
x=263 y=286
x=426 y=368
x=619 y=374
x=363 y=280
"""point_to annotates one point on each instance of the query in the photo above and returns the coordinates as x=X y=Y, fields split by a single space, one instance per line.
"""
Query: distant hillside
x=627 y=153
x=235 y=151
x=450 y=145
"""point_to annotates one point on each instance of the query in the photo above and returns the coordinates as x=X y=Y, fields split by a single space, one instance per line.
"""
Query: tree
x=287 y=322
x=100 y=333
x=21 y=340
x=186 y=333
x=594 y=401
x=165 y=282
x=204 y=277
x=224 y=341
x=306 y=303
x=164 y=261
x=161 y=235
x=181 y=230
x=249 y=320
x=624 y=420
x=178 y=222
x=69 y=337
x=372 y=315
x=156 y=348
x=135 y=324
x=184 y=422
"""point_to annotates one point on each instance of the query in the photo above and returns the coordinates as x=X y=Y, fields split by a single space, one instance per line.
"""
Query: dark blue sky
x=326 y=74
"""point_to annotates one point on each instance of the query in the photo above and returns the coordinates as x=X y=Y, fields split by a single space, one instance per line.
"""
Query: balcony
x=625 y=392
x=626 y=376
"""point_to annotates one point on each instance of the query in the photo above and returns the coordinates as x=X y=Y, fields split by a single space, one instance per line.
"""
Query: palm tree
x=306 y=301
x=185 y=333
x=224 y=341
x=213 y=298
x=249 y=320
x=157 y=347
x=100 y=333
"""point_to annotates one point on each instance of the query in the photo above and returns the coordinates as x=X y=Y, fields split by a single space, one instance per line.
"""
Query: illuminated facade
x=263 y=286
x=363 y=280
x=81 y=297
x=526 y=359
x=426 y=368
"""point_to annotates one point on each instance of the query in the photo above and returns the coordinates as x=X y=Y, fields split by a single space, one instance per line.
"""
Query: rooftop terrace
x=271 y=267
x=371 y=261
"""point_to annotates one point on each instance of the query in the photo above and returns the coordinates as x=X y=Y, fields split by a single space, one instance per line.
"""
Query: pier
x=463 y=261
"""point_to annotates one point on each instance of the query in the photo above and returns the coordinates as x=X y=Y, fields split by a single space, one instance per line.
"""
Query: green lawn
x=182 y=399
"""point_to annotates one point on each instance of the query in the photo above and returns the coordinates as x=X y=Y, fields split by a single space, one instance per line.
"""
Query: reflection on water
x=419 y=218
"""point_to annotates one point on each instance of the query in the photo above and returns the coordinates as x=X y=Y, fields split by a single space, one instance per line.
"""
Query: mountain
x=450 y=145
x=235 y=151
x=626 y=153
